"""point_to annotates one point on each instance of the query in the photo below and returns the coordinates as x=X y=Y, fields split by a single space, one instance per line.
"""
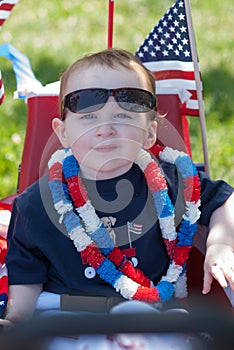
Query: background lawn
x=55 y=33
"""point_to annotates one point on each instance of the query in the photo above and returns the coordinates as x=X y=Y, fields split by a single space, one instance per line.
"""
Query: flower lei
x=93 y=241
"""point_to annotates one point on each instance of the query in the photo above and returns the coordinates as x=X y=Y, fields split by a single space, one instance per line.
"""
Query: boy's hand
x=219 y=264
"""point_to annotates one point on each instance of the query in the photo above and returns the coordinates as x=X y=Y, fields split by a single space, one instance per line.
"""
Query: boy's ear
x=59 y=128
x=152 y=135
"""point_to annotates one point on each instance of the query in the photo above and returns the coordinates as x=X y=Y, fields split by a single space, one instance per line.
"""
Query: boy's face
x=106 y=142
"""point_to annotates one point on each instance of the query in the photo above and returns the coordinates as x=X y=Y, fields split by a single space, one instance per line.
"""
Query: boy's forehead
x=106 y=77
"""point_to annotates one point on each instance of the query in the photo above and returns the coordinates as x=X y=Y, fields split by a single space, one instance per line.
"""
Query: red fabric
x=3 y=249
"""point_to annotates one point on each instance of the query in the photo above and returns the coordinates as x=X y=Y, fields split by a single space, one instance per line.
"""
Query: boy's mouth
x=106 y=148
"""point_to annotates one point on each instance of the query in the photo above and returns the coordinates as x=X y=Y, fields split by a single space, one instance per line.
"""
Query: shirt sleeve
x=213 y=195
x=25 y=262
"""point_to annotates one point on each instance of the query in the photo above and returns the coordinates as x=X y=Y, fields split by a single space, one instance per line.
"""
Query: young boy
x=105 y=191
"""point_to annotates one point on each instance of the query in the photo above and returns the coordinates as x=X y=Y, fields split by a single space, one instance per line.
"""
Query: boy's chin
x=108 y=170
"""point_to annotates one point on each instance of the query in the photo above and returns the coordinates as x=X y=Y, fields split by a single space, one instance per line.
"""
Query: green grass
x=55 y=33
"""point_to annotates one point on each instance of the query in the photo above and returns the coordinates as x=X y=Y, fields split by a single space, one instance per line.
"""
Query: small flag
x=6 y=7
x=167 y=53
x=134 y=228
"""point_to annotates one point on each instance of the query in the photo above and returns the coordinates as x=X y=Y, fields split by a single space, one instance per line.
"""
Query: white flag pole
x=198 y=85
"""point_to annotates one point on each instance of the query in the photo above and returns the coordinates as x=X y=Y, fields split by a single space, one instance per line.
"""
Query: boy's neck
x=104 y=174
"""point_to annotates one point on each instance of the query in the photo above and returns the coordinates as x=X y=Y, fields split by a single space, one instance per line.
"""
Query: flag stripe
x=169 y=65
x=134 y=227
x=3 y=14
x=192 y=112
x=134 y=230
x=173 y=74
x=192 y=104
x=12 y=2
x=6 y=6
x=177 y=83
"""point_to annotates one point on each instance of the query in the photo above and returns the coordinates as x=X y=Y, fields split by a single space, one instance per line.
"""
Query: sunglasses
x=91 y=100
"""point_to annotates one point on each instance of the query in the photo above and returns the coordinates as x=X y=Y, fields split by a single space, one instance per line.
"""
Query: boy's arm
x=22 y=301
x=219 y=259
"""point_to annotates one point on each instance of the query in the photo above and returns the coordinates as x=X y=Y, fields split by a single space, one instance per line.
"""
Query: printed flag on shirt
x=167 y=53
x=134 y=228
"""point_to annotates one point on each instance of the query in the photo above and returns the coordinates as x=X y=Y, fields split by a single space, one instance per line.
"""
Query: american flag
x=167 y=53
x=6 y=7
x=134 y=228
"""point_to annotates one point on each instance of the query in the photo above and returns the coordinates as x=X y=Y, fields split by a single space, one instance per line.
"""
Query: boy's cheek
x=77 y=136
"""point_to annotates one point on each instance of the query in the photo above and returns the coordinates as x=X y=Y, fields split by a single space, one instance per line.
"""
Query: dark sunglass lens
x=87 y=100
x=135 y=100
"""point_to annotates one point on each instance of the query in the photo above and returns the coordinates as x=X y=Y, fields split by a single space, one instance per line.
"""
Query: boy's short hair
x=112 y=58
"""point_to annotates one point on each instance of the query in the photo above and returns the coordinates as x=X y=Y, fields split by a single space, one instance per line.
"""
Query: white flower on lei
x=80 y=239
x=62 y=208
x=169 y=155
x=192 y=211
x=89 y=217
x=58 y=156
x=173 y=273
x=143 y=159
x=126 y=287
x=168 y=227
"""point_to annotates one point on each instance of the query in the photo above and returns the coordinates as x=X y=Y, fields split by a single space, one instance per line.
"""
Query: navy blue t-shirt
x=40 y=251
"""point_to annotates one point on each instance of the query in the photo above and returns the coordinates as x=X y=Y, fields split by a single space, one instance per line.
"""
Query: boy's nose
x=107 y=127
x=105 y=130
